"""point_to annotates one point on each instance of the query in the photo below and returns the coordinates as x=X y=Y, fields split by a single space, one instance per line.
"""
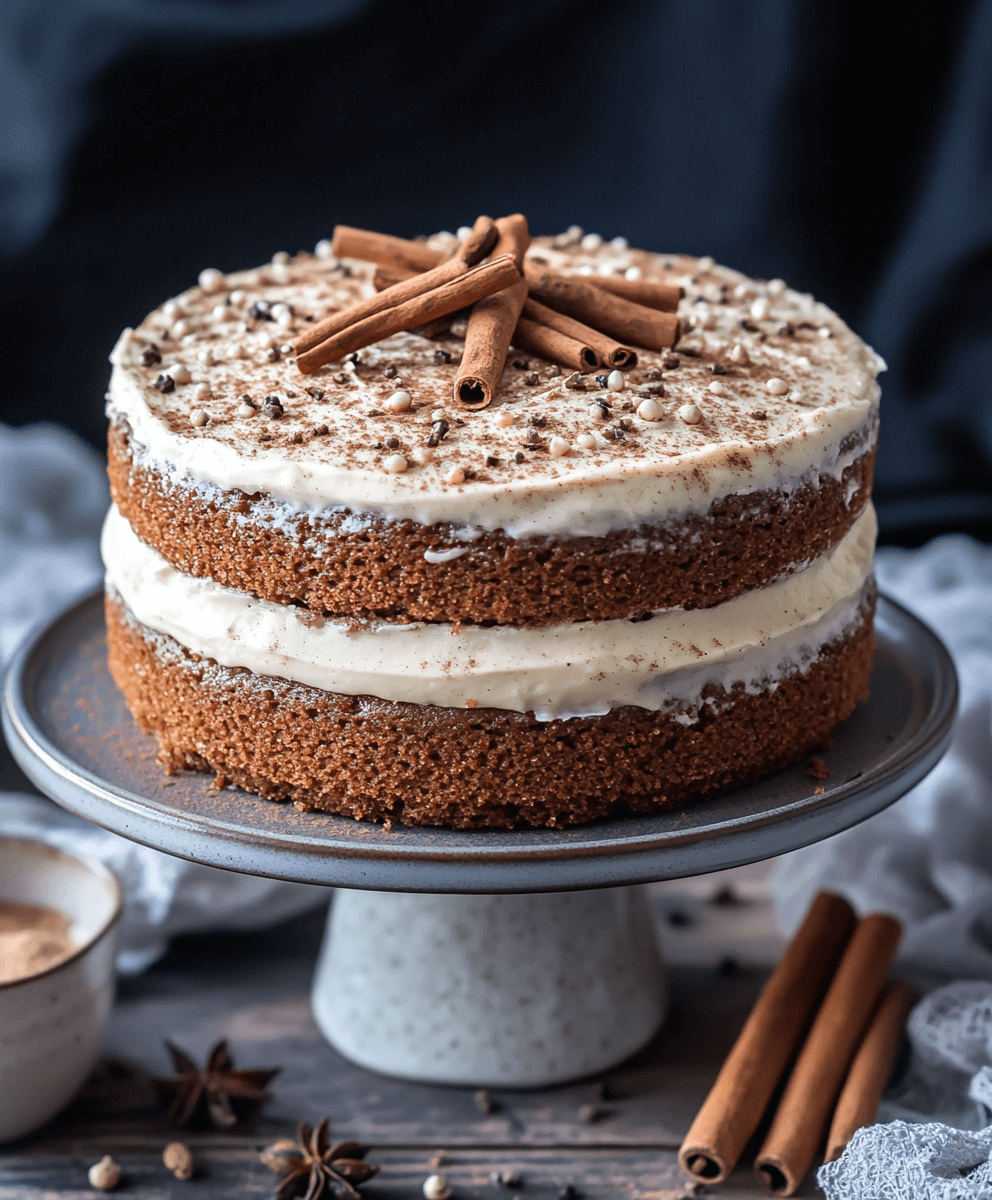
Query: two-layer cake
x=346 y=590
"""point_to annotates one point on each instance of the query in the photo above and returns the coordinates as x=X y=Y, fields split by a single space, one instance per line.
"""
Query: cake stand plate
x=476 y=980
x=71 y=733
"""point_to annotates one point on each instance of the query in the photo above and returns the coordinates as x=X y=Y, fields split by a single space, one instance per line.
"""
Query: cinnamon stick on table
x=602 y=310
x=609 y=352
x=463 y=290
x=771 y=1035
x=871 y=1068
x=808 y=1102
x=492 y=322
x=471 y=251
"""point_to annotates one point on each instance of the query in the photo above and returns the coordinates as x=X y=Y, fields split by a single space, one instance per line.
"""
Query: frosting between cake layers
x=328 y=451
x=580 y=669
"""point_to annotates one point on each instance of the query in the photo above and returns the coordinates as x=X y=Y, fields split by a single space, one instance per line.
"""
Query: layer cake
x=603 y=592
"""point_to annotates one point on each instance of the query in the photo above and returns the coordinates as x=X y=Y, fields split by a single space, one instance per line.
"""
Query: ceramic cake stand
x=500 y=959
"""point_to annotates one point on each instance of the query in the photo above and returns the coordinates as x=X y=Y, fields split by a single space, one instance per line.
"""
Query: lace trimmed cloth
x=950 y=1031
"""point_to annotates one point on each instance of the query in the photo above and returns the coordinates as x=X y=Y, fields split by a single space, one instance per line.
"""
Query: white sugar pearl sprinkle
x=505 y=419
x=739 y=356
x=592 y=241
x=455 y=476
x=804 y=362
x=439 y=414
x=396 y=464
x=633 y=273
x=463 y=232
x=586 y=441
x=398 y=402
x=211 y=280
x=179 y=330
x=705 y=263
x=172 y=308
x=281 y=257
x=619 y=244
x=198 y=418
x=615 y=381
x=825 y=332
x=436 y=1187
x=795 y=395
x=650 y=410
x=422 y=455
x=206 y=356
x=286 y=348
x=717 y=388
x=179 y=372
x=776 y=386
x=598 y=412
x=238 y=297
x=202 y=391
x=776 y=287
x=759 y=309
x=742 y=290
x=690 y=414
x=558 y=447
x=244 y=410
x=324 y=249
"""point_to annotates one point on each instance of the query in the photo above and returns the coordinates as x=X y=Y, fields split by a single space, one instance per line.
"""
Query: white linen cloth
x=53 y=497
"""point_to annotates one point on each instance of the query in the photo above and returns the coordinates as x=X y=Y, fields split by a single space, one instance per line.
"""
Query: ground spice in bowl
x=33 y=938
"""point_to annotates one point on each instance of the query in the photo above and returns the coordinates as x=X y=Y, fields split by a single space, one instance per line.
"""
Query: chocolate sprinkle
x=150 y=355
x=392 y=443
x=438 y=430
x=164 y=383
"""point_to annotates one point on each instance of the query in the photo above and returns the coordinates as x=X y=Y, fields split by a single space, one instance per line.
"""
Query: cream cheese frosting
x=585 y=668
x=785 y=390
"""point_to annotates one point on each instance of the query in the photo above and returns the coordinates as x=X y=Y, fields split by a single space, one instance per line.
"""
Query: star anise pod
x=312 y=1168
x=216 y=1094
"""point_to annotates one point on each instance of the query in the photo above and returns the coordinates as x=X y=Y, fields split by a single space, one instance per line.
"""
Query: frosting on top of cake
x=765 y=389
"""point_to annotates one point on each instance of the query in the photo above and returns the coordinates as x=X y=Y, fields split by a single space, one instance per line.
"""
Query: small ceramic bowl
x=52 y=1023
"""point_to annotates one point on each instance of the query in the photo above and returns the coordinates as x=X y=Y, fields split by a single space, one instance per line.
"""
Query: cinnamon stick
x=601 y=309
x=550 y=343
x=482 y=239
x=871 y=1068
x=810 y=1096
x=399 y=293
x=767 y=1044
x=406 y=255
x=609 y=352
x=491 y=323
x=463 y=290
x=381 y=248
x=664 y=297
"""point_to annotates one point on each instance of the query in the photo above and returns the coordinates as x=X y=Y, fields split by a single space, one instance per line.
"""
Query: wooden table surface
x=253 y=989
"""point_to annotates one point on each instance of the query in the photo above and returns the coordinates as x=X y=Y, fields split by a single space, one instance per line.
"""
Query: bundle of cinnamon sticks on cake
x=822 y=1036
x=582 y=323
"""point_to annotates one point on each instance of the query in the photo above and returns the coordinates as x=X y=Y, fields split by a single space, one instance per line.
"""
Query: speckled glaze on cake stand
x=477 y=979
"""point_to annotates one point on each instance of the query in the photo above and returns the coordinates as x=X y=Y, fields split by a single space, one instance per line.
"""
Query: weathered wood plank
x=598 y=1174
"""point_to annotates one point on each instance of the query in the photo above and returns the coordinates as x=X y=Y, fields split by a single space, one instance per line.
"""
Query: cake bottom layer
x=424 y=764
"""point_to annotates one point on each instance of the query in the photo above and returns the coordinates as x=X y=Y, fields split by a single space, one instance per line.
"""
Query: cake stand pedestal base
x=490 y=991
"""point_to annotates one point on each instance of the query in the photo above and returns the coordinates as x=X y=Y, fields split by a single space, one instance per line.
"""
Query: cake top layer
x=764 y=387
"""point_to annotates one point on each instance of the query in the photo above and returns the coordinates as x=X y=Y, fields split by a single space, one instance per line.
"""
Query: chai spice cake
x=365 y=558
